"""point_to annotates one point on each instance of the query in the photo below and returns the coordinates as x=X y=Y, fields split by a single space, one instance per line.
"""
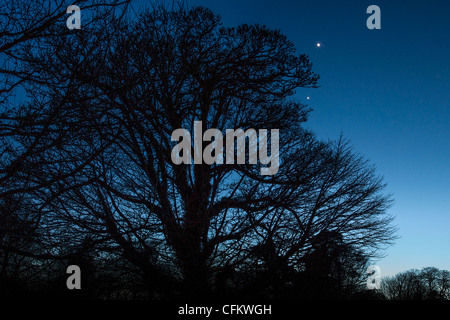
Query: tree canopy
x=86 y=164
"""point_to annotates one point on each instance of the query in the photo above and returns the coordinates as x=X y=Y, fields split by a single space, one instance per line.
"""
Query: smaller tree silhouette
x=333 y=269
x=430 y=283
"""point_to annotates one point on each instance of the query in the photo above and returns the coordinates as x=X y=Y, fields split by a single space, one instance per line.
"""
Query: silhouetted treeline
x=333 y=271
x=426 y=284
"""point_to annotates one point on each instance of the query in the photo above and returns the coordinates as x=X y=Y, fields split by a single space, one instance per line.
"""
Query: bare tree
x=27 y=130
x=120 y=98
x=427 y=284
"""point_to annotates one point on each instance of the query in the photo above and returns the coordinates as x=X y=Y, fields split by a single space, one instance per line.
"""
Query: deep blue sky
x=386 y=90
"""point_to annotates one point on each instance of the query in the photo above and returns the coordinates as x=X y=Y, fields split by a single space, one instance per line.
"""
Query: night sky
x=386 y=90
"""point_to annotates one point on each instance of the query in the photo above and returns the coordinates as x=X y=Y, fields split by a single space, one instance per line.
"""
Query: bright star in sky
x=318 y=44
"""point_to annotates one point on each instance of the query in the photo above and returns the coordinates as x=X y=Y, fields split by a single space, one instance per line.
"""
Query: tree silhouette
x=114 y=93
x=26 y=131
x=427 y=284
